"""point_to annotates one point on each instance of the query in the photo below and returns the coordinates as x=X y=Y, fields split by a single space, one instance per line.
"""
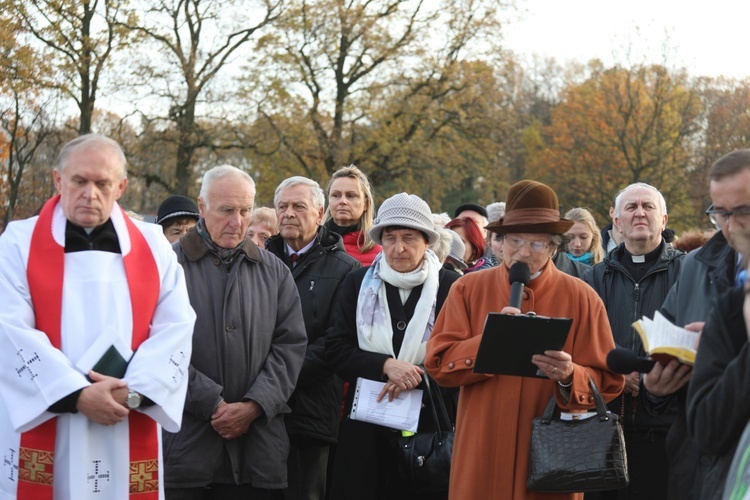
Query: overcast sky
x=708 y=38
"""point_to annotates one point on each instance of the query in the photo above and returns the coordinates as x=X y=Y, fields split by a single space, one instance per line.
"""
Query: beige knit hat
x=406 y=210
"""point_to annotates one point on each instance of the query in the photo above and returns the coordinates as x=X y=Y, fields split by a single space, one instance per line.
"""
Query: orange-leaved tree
x=621 y=125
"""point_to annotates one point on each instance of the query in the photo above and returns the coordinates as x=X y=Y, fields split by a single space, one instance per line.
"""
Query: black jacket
x=627 y=301
x=705 y=274
x=718 y=400
x=342 y=347
x=316 y=400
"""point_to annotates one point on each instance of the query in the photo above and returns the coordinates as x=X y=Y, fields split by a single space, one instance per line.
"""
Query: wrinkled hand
x=510 y=310
x=103 y=401
x=632 y=384
x=232 y=420
x=557 y=365
x=402 y=376
x=665 y=380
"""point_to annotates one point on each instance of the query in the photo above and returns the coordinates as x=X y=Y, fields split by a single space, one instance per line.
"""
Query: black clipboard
x=509 y=341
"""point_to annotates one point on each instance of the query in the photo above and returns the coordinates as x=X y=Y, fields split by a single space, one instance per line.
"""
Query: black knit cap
x=470 y=206
x=177 y=206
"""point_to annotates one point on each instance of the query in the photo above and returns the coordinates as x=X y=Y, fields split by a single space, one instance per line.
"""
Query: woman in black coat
x=384 y=317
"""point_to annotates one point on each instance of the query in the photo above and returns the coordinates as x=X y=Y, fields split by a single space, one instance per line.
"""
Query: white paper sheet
x=402 y=413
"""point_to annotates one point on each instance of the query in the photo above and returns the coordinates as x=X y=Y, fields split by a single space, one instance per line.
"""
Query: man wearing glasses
x=706 y=273
x=633 y=280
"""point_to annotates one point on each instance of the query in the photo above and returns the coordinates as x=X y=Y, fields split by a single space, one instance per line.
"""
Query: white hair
x=636 y=185
x=495 y=211
x=442 y=247
x=316 y=193
x=220 y=172
x=440 y=220
x=92 y=141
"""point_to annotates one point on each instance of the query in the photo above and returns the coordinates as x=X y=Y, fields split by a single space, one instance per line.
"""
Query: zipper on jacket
x=636 y=299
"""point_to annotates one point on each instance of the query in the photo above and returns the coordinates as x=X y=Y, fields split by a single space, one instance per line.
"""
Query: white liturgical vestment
x=91 y=461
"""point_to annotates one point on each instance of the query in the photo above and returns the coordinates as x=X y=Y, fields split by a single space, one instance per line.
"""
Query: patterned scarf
x=374 y=329
x=226 y=255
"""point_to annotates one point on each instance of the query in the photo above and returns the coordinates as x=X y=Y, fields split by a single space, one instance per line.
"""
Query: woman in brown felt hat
x=490 y=454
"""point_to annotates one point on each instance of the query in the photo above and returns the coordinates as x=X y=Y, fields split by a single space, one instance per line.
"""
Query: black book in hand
x=111 y=364
x=509 y=341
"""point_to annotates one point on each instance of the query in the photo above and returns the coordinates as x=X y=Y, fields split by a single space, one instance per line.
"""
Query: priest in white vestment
x=82 y=286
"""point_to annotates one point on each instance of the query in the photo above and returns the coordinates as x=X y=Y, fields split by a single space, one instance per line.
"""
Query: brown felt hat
x=531 y=207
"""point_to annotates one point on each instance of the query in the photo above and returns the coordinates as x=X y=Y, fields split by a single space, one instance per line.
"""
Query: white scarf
x=374 y=329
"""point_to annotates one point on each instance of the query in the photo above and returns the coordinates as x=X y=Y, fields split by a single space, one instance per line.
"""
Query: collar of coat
x=328 y=240
x=195 y=248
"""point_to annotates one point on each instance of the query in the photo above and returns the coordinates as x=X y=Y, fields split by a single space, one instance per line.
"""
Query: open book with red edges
x=664 y=341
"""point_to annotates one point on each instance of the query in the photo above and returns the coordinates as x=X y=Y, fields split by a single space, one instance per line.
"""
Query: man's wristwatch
x=133 y=400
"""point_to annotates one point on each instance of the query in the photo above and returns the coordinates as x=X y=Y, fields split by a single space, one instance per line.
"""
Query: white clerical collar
x=638 y=259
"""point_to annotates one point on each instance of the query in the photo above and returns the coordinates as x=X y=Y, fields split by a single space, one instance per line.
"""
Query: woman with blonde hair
x=263 y=225
x=350 y=212
x=584 y=243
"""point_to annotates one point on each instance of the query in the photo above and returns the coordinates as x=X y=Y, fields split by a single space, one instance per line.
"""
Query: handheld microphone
x=625 y=361
x=519 y=276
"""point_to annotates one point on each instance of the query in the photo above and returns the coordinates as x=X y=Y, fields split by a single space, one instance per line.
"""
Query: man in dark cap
x=176 y=215
x=474 y=212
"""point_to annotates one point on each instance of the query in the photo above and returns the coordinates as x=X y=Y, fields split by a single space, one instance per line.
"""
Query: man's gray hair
x=316 y=193
x=220 y=172
x=92 y=141
x=618 y=198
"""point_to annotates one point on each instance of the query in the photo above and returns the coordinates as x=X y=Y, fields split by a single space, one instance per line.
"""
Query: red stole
x=45 y=272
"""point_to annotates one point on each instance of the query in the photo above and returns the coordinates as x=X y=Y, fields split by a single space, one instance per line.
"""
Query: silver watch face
x=134 y=400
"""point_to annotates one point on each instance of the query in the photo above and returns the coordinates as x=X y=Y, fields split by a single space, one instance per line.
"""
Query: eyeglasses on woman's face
x=517 y=243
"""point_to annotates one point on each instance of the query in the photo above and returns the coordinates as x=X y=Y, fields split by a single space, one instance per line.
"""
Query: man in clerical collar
x=633 y=280
x=318 y=271
x=249 y=344
x=95 y=338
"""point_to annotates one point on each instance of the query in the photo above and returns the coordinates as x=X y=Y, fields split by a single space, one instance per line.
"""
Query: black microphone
x=519 y=276
x=625 y=361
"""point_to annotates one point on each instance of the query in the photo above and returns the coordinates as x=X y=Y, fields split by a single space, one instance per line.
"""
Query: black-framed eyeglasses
x=720 y=217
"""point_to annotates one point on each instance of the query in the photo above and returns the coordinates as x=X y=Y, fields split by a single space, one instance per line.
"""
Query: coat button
x=401 y=325
x=468 y=362
x=450 y=366
x=230 y=328
x=581 y=398
x=215 y=261
x=591 y=399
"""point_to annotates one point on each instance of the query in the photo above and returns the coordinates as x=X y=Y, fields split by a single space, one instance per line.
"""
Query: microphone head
x=622 y=361
x=519 y=273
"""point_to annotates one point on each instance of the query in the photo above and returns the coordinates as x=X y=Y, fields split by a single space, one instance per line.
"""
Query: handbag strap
x=436 y=399
x=601 y=406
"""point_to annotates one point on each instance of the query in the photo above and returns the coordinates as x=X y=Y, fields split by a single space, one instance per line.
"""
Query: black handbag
x=423 y=461
x=569 y=456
